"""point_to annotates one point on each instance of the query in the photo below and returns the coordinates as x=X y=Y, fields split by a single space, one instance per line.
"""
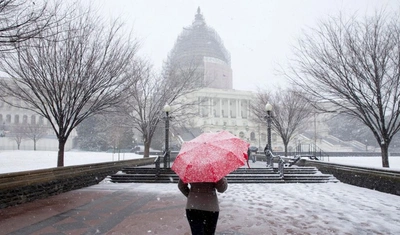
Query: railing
x=269 y=156
x=310 y=150
x=157 y=163
x=296 y=159
x=281 y=166
x=270 y=161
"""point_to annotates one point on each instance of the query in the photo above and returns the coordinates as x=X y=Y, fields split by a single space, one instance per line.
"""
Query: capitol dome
x=201 y=45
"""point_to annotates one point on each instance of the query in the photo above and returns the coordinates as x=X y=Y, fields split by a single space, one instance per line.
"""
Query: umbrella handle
x=248 y=166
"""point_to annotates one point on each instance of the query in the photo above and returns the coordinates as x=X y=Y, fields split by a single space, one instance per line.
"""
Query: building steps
x=241 y=175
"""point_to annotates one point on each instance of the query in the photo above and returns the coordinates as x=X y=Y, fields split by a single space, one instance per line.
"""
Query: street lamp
x=167 y=109
x=268 y=108
x=268 y=151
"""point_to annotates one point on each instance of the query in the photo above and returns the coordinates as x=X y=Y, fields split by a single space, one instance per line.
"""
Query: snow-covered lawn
x=375 y=162
x=22 y=160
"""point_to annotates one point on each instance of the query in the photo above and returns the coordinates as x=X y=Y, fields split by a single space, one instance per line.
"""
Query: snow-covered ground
x=375 y=162
x=21 y=160
x=332 y=208
x=294 y=209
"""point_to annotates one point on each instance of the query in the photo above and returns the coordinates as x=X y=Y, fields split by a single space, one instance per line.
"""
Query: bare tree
x=118 y=131
x=35 y=132
x=17 y=133
x=76 y=71
x=91 y=134
x=149 y=94
x=355 y=65
x=290 y=112
x=22 y=20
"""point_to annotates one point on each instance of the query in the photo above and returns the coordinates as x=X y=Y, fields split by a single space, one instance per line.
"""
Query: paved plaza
x=136 y=208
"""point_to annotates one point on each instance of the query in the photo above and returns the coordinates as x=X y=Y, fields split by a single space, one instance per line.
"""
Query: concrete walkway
x=106 y=208
x=246 y=209
x=100 y=209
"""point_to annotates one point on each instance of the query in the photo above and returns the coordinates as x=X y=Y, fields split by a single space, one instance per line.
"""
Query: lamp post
x=259 y=136
x=268 y=108
x=268 y=151
x=167 y=109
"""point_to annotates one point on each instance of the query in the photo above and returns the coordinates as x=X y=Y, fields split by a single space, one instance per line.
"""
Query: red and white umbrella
x=209 y=157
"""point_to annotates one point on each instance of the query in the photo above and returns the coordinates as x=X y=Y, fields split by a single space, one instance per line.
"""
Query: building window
x=33 y=119
x=25 y=119
x=16 y=119
x=41 y=120
x=241 y=134
x=205 y=112
x=252 y=136
x=263 y=137
x=274 y=137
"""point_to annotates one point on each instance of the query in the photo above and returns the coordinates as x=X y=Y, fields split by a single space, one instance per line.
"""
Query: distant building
x=223 y=108
x=14 y=120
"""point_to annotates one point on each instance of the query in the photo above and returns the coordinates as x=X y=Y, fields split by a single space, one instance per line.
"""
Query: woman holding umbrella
x=202 y=208
x=202 y=165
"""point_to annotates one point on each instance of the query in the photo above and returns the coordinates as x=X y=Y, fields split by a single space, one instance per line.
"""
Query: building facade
x=220 y=106
x=228 y=110
x=14 y=128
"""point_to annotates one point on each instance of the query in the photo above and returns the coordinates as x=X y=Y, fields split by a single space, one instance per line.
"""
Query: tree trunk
x=61 y=148
x=34 y=145
x=285 y=144
x=146 y=152
x=385 y=155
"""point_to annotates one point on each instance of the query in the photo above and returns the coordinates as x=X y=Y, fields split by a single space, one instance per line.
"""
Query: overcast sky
x=259 y=34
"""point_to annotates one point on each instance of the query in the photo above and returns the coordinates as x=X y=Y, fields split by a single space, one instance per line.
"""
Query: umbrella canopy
x=209 y=157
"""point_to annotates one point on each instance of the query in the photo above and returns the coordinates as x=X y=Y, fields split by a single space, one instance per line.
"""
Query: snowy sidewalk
x=107 y=208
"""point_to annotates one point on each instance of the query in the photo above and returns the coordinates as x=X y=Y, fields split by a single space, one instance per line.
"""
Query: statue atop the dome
x=199 y=19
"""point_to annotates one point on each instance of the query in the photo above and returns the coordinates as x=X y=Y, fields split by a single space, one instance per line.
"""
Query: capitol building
x=223 y=108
